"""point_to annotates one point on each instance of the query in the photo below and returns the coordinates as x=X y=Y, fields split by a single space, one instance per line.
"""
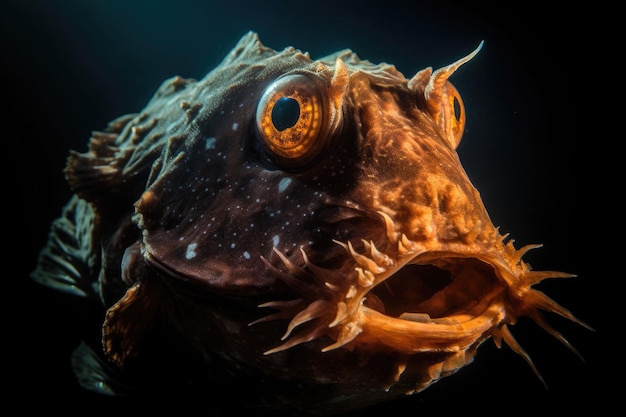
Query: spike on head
x=441 y=98
x=434 y=88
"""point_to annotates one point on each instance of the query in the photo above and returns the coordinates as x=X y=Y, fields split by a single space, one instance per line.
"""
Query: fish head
x=319 y=208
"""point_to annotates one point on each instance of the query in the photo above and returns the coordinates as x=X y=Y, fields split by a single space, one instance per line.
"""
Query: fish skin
x=184 y=222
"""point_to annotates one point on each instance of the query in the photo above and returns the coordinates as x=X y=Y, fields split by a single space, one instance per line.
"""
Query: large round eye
x=290 y=119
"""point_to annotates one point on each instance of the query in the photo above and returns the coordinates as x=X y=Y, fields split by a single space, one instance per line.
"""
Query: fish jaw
x=421 y=299
x=457 y=314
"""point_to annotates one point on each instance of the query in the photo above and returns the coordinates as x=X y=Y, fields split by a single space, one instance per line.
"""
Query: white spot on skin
x=235 y=126
x=209 y=143
x=191 y=251
x=283 y=184
x=232 y=245
x=275 y=240
x=246 y=255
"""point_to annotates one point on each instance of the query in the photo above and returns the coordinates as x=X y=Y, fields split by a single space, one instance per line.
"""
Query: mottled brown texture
x=354 y=267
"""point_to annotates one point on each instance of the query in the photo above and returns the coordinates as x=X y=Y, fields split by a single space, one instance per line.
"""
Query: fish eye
x=290 y=119
x=455 y=115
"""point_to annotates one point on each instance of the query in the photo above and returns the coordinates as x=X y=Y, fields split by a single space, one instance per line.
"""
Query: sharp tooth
x=418 y=317
x=380 y=258
x=364 y=261
x=405 y=246
x=351 y=292
x=342 y=313
x=407 y=243
x=392 y=235
x=366 y=278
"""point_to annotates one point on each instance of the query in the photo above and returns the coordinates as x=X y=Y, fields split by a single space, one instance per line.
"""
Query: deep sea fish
x=299 y=227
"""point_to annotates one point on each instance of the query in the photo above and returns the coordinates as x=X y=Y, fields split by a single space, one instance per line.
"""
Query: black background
x=72 y=66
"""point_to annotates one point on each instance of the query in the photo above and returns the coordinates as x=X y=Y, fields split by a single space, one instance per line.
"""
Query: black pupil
x=285 y=113
x=457 y=109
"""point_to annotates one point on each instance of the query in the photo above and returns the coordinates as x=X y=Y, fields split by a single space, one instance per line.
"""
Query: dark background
x=71 y=66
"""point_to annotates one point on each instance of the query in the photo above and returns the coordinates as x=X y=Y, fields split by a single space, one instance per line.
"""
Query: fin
x=96 y=373
x=98 y=169
x=69 y=262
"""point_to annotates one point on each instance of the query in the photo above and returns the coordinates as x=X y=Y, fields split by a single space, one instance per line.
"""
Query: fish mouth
x=435 y=291
x=443 y=288
x=445 y=299
x=397 y=293
x=436 y=302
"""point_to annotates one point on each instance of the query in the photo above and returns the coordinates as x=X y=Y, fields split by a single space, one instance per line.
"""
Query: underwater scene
x=297 y=209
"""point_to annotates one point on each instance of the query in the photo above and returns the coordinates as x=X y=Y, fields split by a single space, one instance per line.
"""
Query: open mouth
x=414 y=302
x=435 y=302
x=444 y=291
x=395 y=294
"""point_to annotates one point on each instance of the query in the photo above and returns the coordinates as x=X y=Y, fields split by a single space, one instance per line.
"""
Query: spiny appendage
x=531 y=302
x=329 y=299
x=317 y=287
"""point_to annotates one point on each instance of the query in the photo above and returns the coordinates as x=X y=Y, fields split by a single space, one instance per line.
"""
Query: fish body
x=302 y=225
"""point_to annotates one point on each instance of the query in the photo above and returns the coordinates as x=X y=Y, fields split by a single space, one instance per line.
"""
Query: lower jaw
x=449 y=334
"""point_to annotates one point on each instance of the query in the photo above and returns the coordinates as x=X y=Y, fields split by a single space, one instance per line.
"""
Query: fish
x=299 y=228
